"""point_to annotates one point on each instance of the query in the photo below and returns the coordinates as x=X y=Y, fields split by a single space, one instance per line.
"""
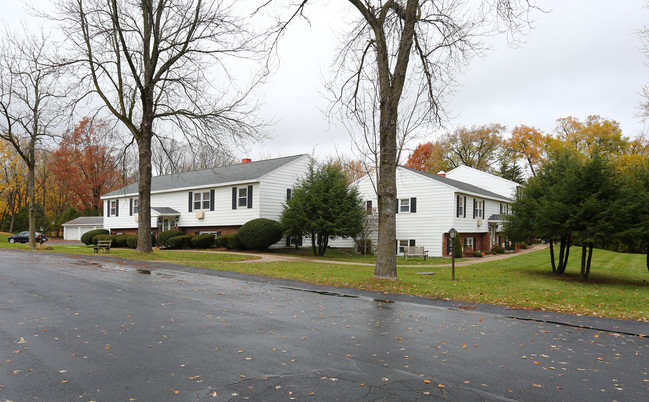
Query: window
x=407 y=205
x=504 y=209
x=136 y=204
x=402 y=245
x=201 y=201
x=404 y=205
x=479 y=212
x=368 y=207
x=242 y=197
x=468 y=242
x=113 y=207
x=460 y=206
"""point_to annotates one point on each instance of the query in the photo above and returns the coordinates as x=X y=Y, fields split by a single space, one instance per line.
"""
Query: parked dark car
x=23 y=237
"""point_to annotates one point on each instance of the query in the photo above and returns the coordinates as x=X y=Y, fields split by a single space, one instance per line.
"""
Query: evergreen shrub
x=259 y=234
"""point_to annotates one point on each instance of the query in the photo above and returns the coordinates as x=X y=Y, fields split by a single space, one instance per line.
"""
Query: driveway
x=89 y=328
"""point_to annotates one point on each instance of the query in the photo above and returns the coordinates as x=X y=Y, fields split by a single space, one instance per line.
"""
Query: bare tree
x=30 y=101
x=398 y=62
x=158 y=62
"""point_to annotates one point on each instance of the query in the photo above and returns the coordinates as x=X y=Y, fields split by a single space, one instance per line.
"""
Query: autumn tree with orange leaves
x=86 y=164
x=527 y=142
x=429 y=157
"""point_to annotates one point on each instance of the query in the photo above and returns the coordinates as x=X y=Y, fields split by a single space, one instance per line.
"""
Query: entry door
x=167 y=224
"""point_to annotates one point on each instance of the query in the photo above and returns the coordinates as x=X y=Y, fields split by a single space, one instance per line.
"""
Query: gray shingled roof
x=86 y=220
x=242 y=172
x=495 y=217
x=165 y=211
x=460 y=185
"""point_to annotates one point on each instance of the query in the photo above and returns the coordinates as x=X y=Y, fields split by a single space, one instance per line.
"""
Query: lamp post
x=452 y=234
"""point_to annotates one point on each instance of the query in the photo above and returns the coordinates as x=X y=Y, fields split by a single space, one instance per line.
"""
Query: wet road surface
x=93 y=329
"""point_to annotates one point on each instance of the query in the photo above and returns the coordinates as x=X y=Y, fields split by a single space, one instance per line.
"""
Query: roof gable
x=241 y=172
x=459 y=185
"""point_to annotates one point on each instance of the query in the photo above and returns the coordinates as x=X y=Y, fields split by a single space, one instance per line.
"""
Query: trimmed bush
x=235 y=242
x=183 y=241
x=120 y=240
x=230 y=241
x=131 y=241
x=168 y=234
x=204 y=240
x=477 y=254
x=86 y=238
x=457 y=247
x=259 y=234
x=96 y=238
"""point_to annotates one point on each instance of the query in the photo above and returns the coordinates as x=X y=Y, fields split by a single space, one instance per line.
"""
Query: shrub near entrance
x=261 y=233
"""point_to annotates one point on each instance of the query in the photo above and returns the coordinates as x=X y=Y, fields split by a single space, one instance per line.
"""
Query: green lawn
x=350 y=256
x=618 y=286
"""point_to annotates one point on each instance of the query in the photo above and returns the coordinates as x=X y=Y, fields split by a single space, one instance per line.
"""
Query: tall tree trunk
x=144 y=188
x=31 y=191
x=584 y=253
x=554 y=267
x=590 y=257
x=562 y=250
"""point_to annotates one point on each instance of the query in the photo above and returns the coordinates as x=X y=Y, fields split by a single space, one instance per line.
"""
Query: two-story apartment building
x=429 y=205
x=218 y=200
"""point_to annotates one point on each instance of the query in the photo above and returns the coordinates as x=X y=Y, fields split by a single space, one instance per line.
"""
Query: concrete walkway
x=265 y=257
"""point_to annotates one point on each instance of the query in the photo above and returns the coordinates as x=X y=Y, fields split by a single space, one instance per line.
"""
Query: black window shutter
x=288 y=194
x=413 y=205
x=397 y=206
x=369 y=207
x=130 y=207
x=211 y=200
x=191 y=201
x=249 y=196
x=412 y=242
x=234 y=198
x=108 y=208
x=484 y=205
x=116 y=207
x=464 y=207
x=475 y=205
x=457 y=207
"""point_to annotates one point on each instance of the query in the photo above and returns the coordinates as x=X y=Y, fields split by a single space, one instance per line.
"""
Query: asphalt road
x=80 y=328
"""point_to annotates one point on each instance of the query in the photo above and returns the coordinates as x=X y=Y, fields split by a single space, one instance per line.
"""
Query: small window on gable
x=113 y=207
x=242 y=197
x=202 y=201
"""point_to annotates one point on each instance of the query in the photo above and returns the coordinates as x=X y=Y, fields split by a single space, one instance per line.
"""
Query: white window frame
x=201 y=201
x=460 y=209
x=403 y=244
x=242 y=197
x=113 y=207
x=136 y=203
x=468 y=242
x=479 y=213
x=404 y=207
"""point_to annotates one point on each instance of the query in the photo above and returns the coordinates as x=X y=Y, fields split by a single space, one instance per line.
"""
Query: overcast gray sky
x=581 y=58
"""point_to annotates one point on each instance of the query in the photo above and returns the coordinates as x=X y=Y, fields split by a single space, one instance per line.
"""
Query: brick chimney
x=441 y=173
x=246 y=160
